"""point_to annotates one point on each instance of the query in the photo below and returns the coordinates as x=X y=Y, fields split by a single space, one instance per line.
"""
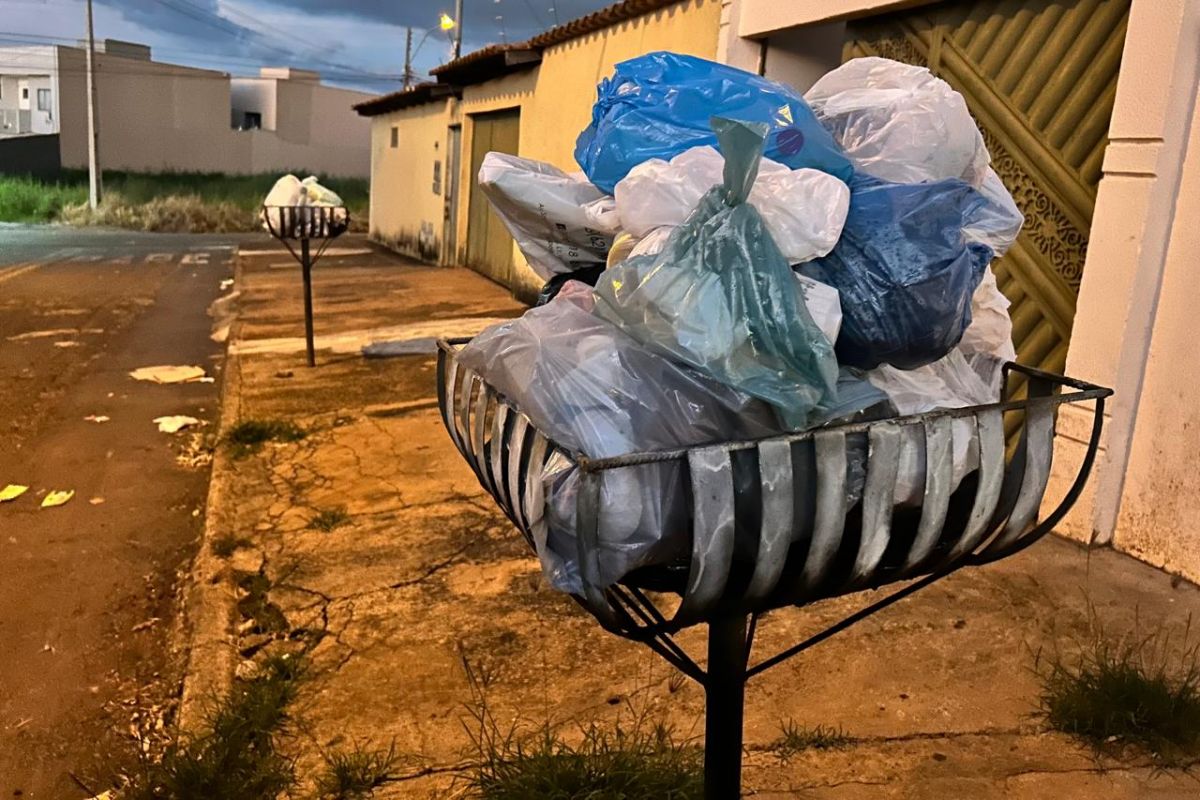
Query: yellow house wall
x=569 y=72
x=555 y=100
x=403 y=202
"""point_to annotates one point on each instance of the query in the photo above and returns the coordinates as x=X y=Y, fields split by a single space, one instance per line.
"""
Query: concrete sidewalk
x=938 y=691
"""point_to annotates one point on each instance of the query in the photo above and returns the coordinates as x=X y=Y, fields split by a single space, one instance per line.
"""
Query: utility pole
x=93 y=131
x=458 y=20
x=408 y=57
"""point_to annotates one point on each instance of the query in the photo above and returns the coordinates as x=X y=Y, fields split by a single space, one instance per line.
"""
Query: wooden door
x=489 y=246
x=1040 y=77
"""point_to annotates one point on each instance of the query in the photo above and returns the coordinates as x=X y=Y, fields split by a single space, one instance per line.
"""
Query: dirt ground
x=427 y=582
x=87 y=590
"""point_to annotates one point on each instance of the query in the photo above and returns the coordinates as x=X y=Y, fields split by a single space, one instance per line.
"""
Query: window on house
x=395 y=136
x=252 y=121
x=43 y=100
x=24 y=92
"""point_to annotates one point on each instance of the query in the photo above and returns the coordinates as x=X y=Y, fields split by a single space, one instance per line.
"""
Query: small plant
x=795 y=738
x=235 y=758
x=226 y=544
x=355 y=774
x=643 y=760
x=329 y=518
x=1135 y=692
x=249 y=435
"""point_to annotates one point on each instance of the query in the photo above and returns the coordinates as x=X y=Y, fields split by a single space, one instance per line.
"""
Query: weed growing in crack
x=226 y=544
x=254 y=604
x=1133 y=692
x=355 y=774
x=235 y=758
x=795 y=738
x=329 y=518
x=642 y=760
x=249 y=435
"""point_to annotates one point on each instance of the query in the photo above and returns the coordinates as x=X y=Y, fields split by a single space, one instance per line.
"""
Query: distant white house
x=161 y=117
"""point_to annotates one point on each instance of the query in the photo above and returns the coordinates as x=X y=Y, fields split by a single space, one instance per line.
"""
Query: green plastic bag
x=721 y=297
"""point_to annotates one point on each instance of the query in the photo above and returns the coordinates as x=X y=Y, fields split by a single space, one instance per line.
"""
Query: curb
x=210 y=599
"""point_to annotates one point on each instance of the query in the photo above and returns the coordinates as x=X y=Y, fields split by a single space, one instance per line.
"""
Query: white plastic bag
x=543 y=209
x=803 y=209
x=999 y=221
x=899 y=122
x=602 y=214
x=287 y=191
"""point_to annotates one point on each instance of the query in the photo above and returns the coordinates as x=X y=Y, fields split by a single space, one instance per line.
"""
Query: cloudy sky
x=358 y=43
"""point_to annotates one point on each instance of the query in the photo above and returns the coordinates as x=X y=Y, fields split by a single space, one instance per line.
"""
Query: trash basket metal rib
x=810 y=543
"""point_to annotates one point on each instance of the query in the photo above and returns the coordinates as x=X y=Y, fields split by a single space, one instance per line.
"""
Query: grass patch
x=1138 y=693
x=642 y=760
x=165 y=201
x=255 y=604
x=226 y=544
x=355 y=774
x=235 y=758
x=795 y=738
x=249 y=435
x=329 y=518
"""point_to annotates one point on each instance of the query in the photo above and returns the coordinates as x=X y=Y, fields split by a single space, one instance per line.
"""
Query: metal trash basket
x=810 y=545
x=306 y=222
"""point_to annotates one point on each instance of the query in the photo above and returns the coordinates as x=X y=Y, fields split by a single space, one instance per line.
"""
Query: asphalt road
x=87 y=589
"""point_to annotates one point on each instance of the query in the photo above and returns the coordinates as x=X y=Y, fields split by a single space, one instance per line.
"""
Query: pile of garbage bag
x=290 y=191
x=735 y=261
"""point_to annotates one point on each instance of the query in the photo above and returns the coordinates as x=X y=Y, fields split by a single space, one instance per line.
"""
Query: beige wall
x=405 y=212
x=159 y=117
x=1134 y=325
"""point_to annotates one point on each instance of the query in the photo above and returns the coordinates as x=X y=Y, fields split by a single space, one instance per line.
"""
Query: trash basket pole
x=725 y=692
x=306 y=268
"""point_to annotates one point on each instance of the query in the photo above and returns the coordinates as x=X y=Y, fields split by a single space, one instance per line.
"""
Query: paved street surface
x=424 y=575
x=86 y=589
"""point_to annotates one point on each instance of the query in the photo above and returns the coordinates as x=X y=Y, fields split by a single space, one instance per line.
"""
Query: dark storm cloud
x=196 y=20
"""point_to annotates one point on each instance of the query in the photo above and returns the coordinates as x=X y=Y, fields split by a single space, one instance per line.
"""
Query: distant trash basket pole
x=302 y=224
x=789 y=494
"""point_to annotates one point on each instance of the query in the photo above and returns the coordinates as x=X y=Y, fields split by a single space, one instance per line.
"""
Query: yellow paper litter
x=57 y=497
x=168 y=374
x=12 y=492
x=175 y=423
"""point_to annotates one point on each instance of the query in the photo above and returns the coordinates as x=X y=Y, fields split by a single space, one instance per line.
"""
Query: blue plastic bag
x=904 y=271
x=659 y=104
x=721 y=297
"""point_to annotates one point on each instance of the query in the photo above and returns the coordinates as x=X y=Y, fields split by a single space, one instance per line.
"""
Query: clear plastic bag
x=998 y=222
x=543 y=209
x=659 y=104
x=804 y=209
x=899 y=122
x=721 y=297
x=594 y=390
x=904 y=270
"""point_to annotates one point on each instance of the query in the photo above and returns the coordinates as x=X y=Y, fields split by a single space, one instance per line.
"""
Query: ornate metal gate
x=1040 y=77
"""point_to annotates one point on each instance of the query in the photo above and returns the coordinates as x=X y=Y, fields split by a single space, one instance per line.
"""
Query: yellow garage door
x=489 y=246
x=1040 y=77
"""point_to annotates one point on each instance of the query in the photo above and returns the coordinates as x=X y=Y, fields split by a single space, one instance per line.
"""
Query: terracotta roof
x=412 y=96
x=487 y=63
x=597 y=20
